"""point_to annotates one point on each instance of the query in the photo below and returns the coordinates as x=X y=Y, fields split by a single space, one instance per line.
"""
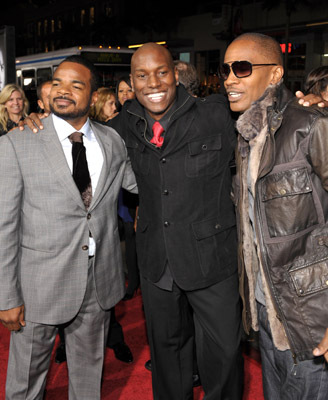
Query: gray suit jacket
x=44 y=227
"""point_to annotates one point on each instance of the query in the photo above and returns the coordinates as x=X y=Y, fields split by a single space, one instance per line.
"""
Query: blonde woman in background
x=105 y=107
x=13 y=107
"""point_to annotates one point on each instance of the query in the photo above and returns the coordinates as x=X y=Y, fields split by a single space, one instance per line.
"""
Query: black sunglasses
x=241 y=69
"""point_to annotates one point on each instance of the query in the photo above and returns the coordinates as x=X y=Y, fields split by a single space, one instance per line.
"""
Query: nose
x=153 y=81
x=232 y=79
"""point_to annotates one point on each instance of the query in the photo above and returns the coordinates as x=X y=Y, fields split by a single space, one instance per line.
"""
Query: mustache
x=64 y=98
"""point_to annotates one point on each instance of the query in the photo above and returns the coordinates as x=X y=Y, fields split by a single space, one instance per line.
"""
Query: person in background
x=105 y=107
x=317 y=82
x=128 y=204
x=13 y=107
x=281 y=202
x=188 y=76
x=43 y=92
x=124 y=91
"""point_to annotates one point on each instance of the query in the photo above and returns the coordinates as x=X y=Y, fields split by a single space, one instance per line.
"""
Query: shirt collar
x=64 y=129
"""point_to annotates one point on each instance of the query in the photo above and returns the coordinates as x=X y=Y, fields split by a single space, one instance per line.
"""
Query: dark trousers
x=131 y=257
x=215 y=323
x=282 y=378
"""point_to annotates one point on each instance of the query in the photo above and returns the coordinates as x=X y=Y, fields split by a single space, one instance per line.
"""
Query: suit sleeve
x=11 y=195
x=129 y=180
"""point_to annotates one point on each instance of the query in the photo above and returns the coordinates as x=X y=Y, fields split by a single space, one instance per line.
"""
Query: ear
x=94 y=98
x=176 y=74
x=277 y=74
x=40 y=104
x=132 y=83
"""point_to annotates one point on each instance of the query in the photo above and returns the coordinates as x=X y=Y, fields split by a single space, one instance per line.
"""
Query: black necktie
x=81 y=174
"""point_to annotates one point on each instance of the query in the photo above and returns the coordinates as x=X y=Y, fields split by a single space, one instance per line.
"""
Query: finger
x=299 y=94
x=322 y=347
x=21 y=319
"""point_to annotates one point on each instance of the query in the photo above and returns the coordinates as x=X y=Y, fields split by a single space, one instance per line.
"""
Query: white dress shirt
x=93 y=153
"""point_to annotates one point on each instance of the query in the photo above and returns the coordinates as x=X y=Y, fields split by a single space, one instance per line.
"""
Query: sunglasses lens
x=224 y=71
x=242 y=68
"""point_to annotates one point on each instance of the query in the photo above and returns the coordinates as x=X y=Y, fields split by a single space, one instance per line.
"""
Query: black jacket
x=186 y=215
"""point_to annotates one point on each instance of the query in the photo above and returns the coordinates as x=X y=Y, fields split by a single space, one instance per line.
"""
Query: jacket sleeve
x=318 y=150
x=11 y=195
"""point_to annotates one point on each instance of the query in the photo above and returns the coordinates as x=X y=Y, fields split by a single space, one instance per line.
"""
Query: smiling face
x=14 y=105
x=242 y=92
x=124 y=92
x=154 y=79
x=71 y=95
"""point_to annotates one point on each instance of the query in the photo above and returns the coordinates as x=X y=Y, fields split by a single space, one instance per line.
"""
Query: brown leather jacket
x=290 y=185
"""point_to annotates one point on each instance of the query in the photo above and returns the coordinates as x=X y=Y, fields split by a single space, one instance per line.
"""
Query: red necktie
x=157 y=131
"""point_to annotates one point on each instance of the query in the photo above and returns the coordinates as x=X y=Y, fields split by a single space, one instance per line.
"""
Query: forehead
x=150 y=58
x=72 y=71
x=244 y=50
x=15 y=93
x=123 y=85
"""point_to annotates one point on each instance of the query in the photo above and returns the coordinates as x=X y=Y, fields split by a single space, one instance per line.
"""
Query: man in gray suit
x=60 y=256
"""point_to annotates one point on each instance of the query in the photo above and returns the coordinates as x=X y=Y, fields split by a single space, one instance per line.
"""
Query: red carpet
x=123 y=381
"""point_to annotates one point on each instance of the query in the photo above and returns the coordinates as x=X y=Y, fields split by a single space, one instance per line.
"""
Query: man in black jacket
x=186 y=233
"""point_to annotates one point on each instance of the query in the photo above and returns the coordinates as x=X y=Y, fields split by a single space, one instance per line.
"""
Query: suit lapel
x=55 y=157
x=105 y=144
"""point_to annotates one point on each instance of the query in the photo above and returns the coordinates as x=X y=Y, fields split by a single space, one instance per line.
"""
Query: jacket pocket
x=203 y=157
x=288 y=203
x=310 y=278
x=215 y=243
x=139 y=158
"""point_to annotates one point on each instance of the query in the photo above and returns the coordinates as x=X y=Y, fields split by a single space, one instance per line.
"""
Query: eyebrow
x=74 y=81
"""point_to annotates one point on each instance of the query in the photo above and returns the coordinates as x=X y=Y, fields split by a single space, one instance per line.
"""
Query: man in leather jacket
x=282 y=205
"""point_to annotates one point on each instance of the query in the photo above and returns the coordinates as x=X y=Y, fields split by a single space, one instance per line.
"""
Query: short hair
x=269 y=46
x=317 y=81
x=5 y=94
x=39 y=89
x=89 y=65
x=188 y=76
x=96 y=111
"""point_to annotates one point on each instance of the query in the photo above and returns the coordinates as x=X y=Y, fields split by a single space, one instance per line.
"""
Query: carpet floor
x=128 y=381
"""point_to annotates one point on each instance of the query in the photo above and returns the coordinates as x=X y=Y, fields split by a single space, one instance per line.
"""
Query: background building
x=196 y=33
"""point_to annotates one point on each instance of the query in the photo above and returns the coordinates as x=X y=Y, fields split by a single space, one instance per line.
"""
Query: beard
x=69 y=115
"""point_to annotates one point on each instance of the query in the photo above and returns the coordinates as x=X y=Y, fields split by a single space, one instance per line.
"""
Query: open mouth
x=156 y=97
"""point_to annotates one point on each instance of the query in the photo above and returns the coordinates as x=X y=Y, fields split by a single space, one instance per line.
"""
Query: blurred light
x=109 y=47
x=27 y=81
x=118 y=48
x=317 y=23
x=283 y=47
x=133 y=46
x=100 y=47
x=80 y=47
x=19 y=73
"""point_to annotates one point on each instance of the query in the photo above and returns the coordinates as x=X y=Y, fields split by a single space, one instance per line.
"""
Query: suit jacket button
x=88 y=216
x=85 y=247
x=165 y=192
x=166 y=224
x=163 y=160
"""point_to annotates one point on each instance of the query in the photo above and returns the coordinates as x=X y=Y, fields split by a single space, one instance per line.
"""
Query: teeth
x=234 y=94
x=155 y=96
